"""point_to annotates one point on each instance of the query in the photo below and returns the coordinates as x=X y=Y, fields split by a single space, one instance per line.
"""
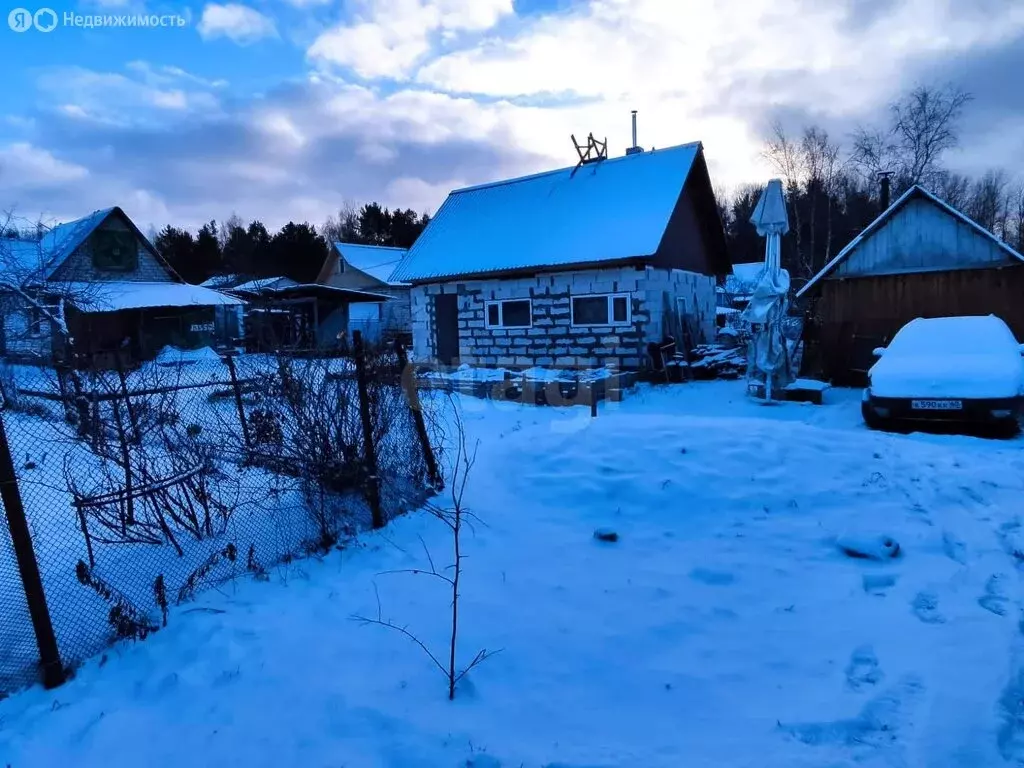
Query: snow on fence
x=535 y=386
x=128 y=491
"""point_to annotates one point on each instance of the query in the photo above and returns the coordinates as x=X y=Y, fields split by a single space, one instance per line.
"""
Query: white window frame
x=501 y=313
x=612 y=322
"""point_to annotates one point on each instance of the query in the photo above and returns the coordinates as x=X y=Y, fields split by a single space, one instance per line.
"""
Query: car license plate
x=936 y=405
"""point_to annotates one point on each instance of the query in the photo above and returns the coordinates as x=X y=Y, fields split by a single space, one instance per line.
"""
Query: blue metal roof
x=40 y=258
x=612 y=209
x=378 y=261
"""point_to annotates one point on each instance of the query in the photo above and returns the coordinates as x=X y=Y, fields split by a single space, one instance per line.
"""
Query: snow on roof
x=308 y=289
x=870 y=229
x=41 y=257
x=603 y=211
x=220 y=281
x=377 y=261
x=128 y=294
x=265 y=284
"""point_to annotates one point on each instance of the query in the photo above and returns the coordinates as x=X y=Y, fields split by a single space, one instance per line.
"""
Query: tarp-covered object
x=769 y=352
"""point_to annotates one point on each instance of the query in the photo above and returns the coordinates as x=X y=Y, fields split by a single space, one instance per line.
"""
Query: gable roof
x=377 y=261
x=609 y=210
x=915 y=191
x=39 y=259
x=263 y=284
x=221 y=281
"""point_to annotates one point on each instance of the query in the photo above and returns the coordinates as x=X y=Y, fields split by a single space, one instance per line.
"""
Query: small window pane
x=493 y=318
x=590 y=310
x=114 y=249
x=620 y=311
x=515 y=314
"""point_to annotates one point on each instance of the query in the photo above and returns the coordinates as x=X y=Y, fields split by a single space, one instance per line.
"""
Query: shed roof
x=114 y=296
x=915 y=191
x=320 y=291
x=608 y=210
x=377 y=261
x=263 y=284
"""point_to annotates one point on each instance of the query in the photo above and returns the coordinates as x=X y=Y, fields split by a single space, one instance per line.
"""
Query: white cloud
x=710 y=72
x=389 y=37
x=715 y=73
x=28 y=167
x=117 y=99
x=237 y=22
x=307 y=4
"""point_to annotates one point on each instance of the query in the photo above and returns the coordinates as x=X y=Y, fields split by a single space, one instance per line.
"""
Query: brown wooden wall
x=858 y=314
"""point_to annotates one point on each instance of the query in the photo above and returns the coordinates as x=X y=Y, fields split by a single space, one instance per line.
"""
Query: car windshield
x=954 y=335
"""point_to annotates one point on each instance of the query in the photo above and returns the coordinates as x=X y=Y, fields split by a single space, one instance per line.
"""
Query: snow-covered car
x=952 y=369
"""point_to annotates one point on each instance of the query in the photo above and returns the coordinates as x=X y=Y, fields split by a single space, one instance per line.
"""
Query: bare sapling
x=456 y=517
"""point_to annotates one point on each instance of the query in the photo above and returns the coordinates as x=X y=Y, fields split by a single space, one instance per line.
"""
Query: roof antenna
x=634 y=150
x=594 y=151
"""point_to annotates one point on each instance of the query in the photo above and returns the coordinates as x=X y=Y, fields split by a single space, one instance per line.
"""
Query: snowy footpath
x=725 y=627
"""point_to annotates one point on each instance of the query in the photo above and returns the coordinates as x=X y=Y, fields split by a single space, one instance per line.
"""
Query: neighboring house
x=919 y=258
x=281 y=313
x=736 y=289
x=105 y=282
x=369 y=268
x=579 y=266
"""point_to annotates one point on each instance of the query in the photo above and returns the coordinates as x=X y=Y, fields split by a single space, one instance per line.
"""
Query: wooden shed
x=920 y=258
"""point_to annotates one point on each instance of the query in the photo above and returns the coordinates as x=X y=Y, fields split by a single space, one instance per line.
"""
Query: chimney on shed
x=633 y=150
x=885 y=191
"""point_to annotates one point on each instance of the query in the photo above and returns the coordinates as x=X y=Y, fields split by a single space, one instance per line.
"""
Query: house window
x=517 y=313
x=114 y=250
x=601 y=309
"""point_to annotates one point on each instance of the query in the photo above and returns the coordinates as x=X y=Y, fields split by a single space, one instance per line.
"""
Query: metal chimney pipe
x=885 y=193
x=634 y=129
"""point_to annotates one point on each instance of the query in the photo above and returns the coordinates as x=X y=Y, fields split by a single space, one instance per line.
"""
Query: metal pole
x=28 y=567
x=373 y=487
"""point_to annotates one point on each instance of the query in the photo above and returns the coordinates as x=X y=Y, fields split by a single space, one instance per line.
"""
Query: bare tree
x=874 y=152
x=823 y=166
x=233 y=222
x=786 y=157
x=455 y=517
x=989 y=202
x=923 y=125
x=1015 y=224
x=344 y=227
x=33 y=302
x=954 y=188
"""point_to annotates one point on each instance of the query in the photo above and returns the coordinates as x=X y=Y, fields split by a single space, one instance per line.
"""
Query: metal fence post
x=413 y=395
x=229 y=360
x=373 y=489
x=28 y=568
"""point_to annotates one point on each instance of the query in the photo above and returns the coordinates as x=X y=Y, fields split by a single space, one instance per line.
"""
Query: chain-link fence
x=142 y=486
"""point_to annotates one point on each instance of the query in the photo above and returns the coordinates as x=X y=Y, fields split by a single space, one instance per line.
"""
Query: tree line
x=296 y=250
x=833 y=187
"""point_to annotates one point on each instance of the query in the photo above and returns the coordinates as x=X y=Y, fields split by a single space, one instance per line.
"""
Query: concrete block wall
x=553 y=340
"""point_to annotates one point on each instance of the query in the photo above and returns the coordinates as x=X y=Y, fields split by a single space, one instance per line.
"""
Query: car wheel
x=1008 y=428
x=870 y=417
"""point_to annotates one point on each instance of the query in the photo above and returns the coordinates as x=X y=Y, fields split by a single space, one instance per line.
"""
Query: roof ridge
x=370 y=245
x=541 y=174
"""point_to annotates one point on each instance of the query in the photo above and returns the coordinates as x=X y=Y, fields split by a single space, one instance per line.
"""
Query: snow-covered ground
x=723 y=628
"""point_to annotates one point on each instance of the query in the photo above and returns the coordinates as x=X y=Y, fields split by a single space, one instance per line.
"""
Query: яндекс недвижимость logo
x=22 y=20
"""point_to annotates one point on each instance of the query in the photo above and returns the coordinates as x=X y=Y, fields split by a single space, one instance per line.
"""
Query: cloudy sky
x=286 y=109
